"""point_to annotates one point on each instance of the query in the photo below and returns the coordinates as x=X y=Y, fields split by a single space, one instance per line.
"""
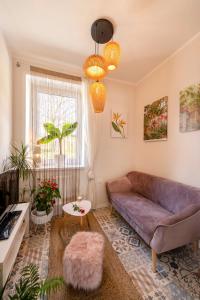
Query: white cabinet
x=9 y=248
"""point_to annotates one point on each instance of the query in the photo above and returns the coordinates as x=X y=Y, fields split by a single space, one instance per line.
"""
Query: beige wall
x=114 y=157
x=177 y=158
x=5 y=99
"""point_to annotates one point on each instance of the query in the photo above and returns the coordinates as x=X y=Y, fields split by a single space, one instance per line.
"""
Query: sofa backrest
x=171 y=195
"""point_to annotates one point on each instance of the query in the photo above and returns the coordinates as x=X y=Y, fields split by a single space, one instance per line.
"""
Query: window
x=57 y=102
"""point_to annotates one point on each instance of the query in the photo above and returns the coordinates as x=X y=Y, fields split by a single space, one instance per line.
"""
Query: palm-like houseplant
x=30 y=287
x=54 y=133
x=20 y=160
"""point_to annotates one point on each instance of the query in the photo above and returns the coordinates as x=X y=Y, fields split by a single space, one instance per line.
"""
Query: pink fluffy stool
x=83 y=260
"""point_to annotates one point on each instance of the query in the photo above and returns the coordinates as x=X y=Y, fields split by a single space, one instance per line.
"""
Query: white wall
x=177 y=158
x=114 y=157
x=5 y=99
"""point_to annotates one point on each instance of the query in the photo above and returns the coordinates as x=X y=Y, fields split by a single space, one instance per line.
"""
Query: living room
x=100 y=171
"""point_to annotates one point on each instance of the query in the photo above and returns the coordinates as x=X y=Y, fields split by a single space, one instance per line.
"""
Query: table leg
x=81 y=221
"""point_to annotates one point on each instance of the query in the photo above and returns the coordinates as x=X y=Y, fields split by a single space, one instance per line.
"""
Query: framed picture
x=155 y=120
x=119 y=125
x=190 y=108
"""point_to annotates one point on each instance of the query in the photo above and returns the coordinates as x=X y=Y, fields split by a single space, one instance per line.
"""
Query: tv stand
x=10 y=247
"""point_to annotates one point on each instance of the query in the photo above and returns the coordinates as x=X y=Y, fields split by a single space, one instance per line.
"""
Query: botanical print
x=119 y=125
x=190 y=108
x=155 y=120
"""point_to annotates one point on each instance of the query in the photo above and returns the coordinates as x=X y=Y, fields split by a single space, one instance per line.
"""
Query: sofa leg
x=154 y=260
x=111 y=209
x=195 y=246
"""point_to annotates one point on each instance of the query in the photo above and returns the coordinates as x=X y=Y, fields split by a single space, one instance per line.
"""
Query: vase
x=59 y=160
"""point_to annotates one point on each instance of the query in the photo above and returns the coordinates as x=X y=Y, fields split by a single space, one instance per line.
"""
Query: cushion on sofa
x=121 y=184
x=142 y=212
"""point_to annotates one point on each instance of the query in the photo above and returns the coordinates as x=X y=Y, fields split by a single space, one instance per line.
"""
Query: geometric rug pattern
x=178 y=275
x=177 y=278
x=34 y=249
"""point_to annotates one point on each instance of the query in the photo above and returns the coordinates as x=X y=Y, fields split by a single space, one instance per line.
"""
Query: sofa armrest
x=176 y=233
x=119 y=185
x=184 y=214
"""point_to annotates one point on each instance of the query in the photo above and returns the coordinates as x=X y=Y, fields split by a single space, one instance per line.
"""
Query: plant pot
x=40 y=212
x=39 y=220
x=59 y=160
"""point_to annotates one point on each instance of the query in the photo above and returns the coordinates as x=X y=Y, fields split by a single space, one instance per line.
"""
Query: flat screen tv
x=9 y=189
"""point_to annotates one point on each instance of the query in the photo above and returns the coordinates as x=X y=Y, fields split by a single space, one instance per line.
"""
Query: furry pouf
x=83 y=260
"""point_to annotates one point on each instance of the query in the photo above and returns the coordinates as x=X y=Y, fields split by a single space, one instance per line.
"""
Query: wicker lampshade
x=112 y=55
x=95 y=67
x=98 y=95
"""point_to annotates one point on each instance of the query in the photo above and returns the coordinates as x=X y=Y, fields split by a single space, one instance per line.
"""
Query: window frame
x=31 y=95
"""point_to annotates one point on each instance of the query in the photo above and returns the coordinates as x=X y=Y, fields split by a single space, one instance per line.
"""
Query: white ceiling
x=148 y=30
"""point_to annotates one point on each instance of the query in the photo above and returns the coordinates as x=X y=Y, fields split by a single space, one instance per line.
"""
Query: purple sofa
x=165 y=213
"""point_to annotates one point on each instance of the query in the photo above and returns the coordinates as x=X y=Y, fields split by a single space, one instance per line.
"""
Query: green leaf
x=115 y=127
x=19 y=160
x=51 y=285
x=47 y=139
x=68 y=128
x=30 y=287
x=52 y=130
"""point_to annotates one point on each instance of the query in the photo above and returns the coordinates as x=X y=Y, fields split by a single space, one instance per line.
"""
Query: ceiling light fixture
x=97 y=66
x=112 y=55
x=98 y=95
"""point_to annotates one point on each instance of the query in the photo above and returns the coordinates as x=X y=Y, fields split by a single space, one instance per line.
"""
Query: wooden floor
x=116 y=283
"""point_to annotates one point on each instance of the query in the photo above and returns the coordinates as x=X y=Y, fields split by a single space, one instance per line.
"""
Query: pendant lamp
x=112 y=55
x=98 y=95
x=95 y=67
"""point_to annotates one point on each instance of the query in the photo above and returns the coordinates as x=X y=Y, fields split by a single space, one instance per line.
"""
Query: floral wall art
x=190 y=108
x=119 y=125
x=155 y=120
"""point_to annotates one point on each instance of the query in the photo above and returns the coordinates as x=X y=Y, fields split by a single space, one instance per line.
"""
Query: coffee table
x=83 y=204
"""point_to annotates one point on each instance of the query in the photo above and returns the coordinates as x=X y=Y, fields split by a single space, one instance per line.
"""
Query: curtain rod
x=54 y=73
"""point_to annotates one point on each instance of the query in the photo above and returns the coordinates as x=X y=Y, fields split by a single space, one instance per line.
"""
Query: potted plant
x=19 y=160
x=30 y=287
x=45 y=197
x=54 y=133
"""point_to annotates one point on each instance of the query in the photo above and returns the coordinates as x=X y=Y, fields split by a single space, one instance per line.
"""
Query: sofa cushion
x=140 y=212
x=121 y=185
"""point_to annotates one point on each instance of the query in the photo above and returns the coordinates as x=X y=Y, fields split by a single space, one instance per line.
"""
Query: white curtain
x=90 y=143
x=57 y=101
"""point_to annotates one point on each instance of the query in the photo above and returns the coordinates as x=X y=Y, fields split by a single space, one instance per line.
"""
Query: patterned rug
x=178 y=275
x=34 y=249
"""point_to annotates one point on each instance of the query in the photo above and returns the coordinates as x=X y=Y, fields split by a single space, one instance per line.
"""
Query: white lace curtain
x=90 y=144
x=55 y=131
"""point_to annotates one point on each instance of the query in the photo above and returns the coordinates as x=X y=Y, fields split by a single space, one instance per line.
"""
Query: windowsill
x=42 y=168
